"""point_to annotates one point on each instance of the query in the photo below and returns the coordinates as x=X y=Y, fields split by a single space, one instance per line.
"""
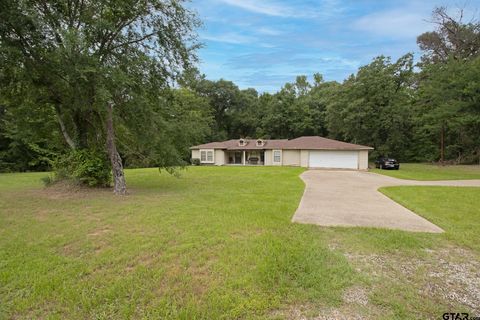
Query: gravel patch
x=342 y=313
x=356 y=295
x=451 y=274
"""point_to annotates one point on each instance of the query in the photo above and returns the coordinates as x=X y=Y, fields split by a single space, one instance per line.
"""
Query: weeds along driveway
x=351 y=198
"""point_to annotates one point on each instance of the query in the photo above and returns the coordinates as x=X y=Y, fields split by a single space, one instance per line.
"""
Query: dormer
x=242 y=142
x=260 y=143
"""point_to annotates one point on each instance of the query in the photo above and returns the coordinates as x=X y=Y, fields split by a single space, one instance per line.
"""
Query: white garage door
x=334 y=159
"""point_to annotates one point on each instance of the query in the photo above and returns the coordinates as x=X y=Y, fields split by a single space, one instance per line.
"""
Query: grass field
x=455 y=209
x=422 y=171
x=218 y=243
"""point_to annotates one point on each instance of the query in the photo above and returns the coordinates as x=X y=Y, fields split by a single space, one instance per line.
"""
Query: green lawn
x=423 y=171
x=216 y=243
x=455 y=209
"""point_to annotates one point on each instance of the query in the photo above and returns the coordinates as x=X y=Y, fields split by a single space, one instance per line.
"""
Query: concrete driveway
x=351 y=198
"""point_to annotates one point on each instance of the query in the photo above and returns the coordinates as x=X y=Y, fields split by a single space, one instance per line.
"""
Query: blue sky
x=264 y=43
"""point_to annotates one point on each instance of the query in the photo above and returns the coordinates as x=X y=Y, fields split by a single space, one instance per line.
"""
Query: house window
x=242 y=142
x=207 y=156
x=277 y=156
x=259 y=142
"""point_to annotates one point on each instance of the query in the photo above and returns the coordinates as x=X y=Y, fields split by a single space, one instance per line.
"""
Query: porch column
x=243 y=159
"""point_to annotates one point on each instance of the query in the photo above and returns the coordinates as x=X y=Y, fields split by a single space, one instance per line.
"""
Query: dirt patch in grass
x=355 y=305
x=147 y=260
x=95 y=243
x=69 y=250
x=448 y=275
x=310 y=312
x=42 y=215
x=99 y=232
x=247 y=234
x=341 y=314
x=356 y=295
x=65 y=190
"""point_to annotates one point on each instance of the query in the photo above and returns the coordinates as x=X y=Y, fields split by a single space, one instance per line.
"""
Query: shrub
x=195 y=161
x=84 y=167
x=48 y=180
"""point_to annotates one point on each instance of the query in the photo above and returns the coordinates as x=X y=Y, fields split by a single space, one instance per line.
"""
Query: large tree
x=224 y=98
x=449 y=109
x=297 y=109
x=373 y=107
x=97 y=64
x=448 y=86
x=452 y=37
x=244 y=116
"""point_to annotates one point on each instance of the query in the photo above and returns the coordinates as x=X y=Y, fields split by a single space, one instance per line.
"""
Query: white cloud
x=263 y=7
x=269 y=31
x=232 y=38
x=394 y=23
x=325 y=8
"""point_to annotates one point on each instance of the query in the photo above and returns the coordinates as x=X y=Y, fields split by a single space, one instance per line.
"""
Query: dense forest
x=113 y=86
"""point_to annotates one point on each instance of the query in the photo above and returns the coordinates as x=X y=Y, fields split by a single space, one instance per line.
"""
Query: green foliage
x=388 y=105
x=374 y=107
x=29 y=139
x=449 y=103
x=162 y=137
x=195 y=161
x=78 y=58
x=224 y=100
x=48 y=180
x=54 y=89
x=83 y=167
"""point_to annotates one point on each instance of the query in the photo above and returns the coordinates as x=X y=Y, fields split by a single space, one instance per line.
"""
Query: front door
x=238 y=157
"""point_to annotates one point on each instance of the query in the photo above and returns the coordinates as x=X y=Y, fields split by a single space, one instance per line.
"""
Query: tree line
x=414 y=111
x=89 y=87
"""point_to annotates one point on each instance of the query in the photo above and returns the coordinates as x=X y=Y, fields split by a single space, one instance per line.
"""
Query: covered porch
x=245 y=157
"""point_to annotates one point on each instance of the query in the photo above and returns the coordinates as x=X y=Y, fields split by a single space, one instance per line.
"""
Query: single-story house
x=309 y=152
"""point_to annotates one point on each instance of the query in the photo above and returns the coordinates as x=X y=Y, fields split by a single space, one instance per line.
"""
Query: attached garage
x=333 y=159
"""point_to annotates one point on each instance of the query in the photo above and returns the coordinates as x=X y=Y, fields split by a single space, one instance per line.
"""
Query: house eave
x=328 y=149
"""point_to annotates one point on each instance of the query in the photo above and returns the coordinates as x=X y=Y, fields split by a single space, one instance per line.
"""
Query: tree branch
x=133 y=41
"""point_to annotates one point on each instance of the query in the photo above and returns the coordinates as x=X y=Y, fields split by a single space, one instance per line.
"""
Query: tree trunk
x=119 y=184
x=442 y=145
x=65 y=134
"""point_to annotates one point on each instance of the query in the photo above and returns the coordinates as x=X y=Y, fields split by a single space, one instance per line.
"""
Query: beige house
x=309 y=152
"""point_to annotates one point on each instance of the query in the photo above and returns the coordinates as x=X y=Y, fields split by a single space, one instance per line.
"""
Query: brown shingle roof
x=321 y=143
x=311 y=143
x=250 y=145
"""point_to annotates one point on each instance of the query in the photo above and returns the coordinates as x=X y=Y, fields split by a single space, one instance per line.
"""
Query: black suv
x=387 y=163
